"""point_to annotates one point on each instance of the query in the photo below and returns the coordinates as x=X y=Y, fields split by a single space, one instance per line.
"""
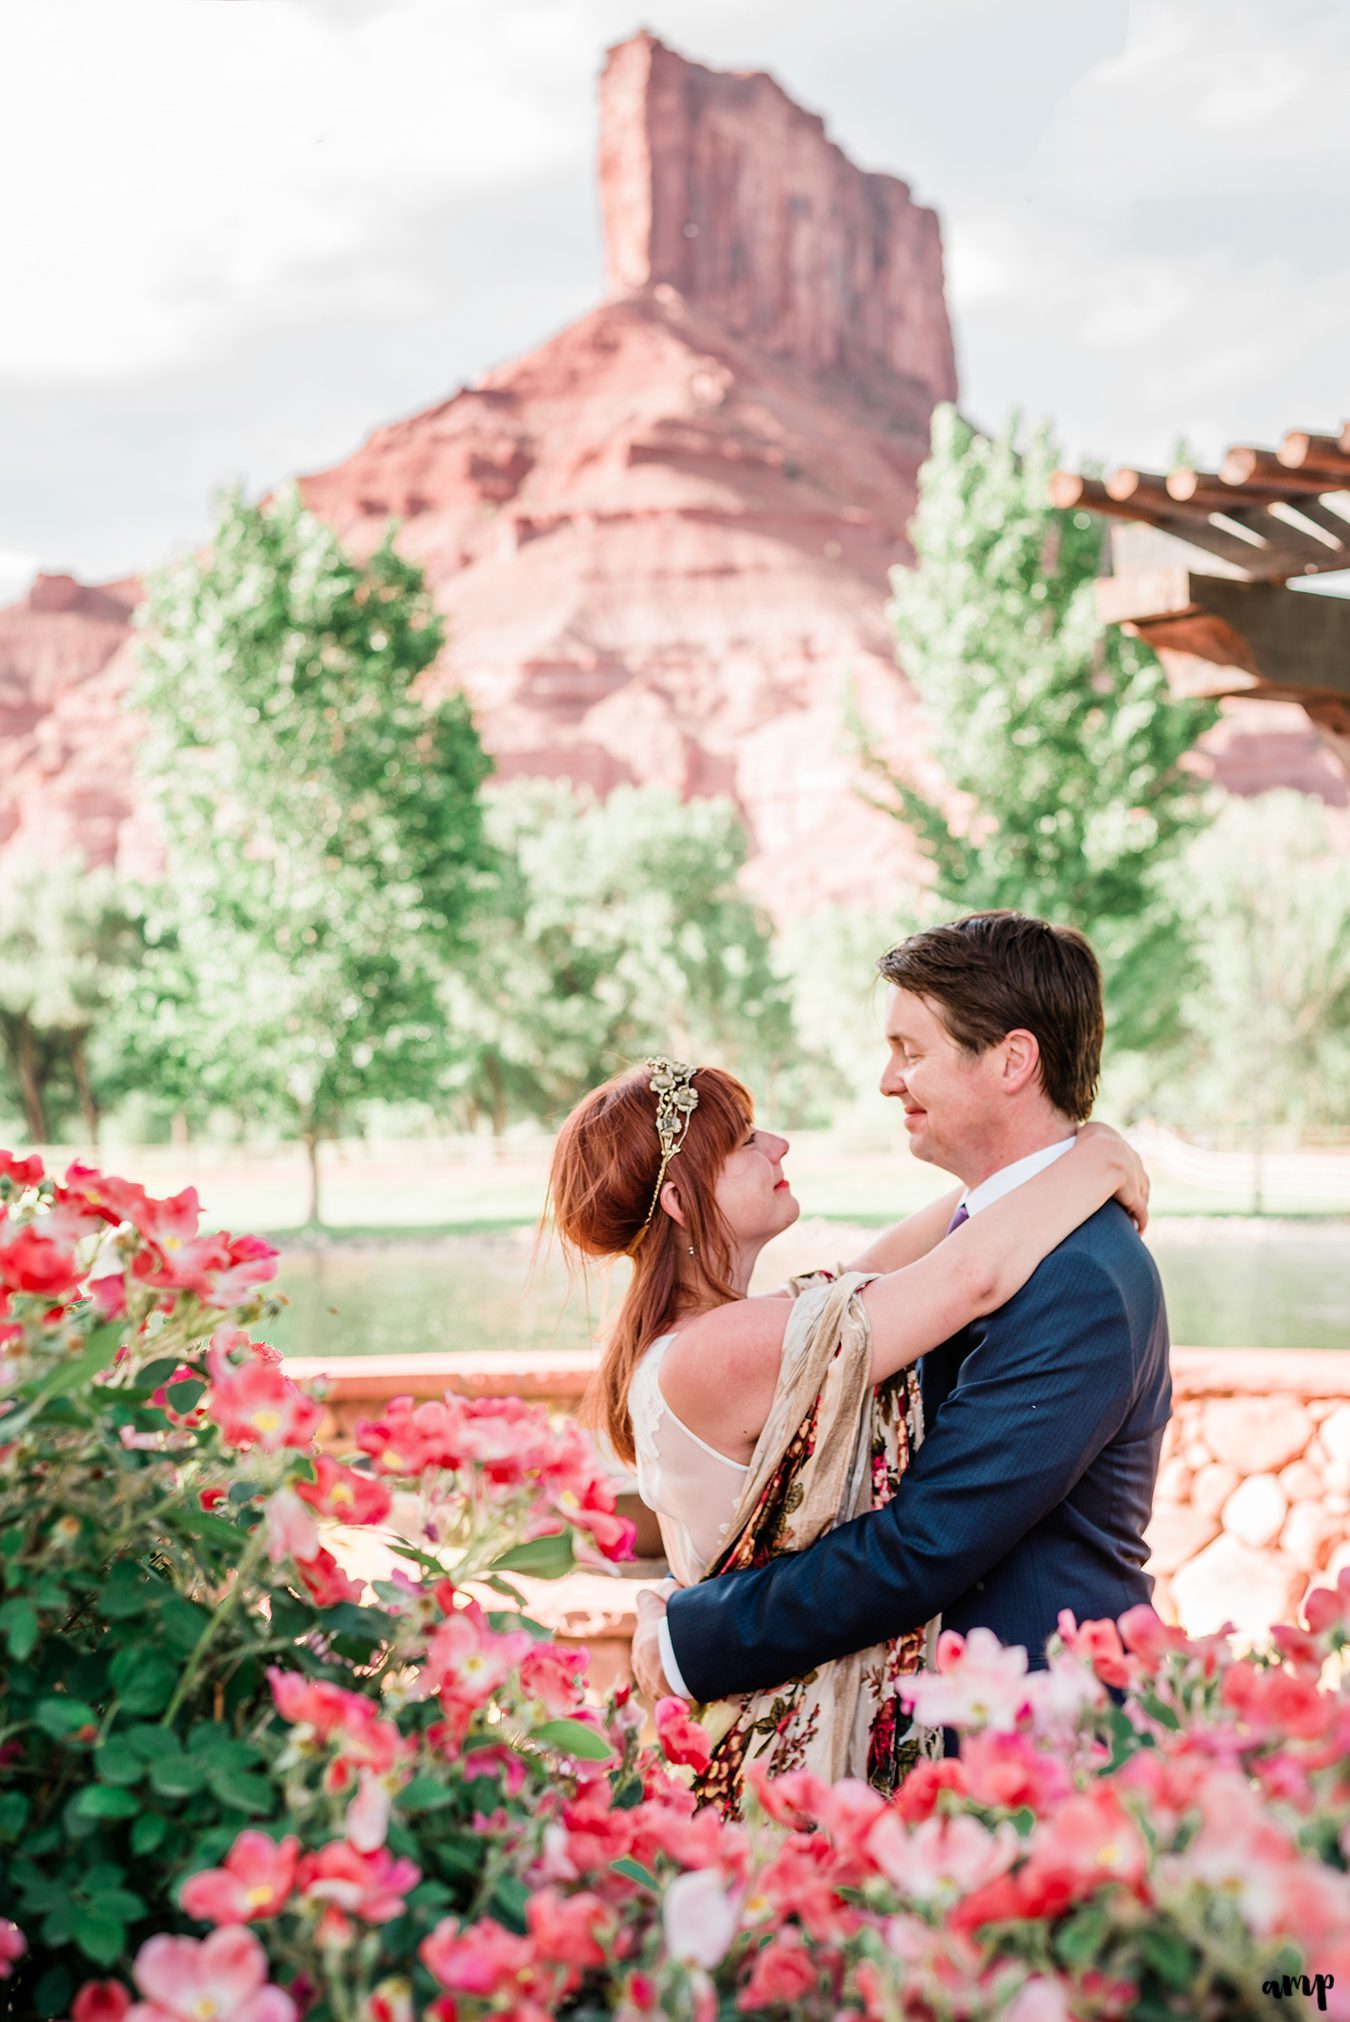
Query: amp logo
x=1299 y=1983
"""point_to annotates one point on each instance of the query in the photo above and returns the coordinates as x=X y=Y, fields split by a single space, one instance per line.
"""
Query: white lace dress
x=692 y=1487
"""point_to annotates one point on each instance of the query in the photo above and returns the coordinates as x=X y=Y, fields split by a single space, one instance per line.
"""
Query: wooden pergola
x=1202 y=561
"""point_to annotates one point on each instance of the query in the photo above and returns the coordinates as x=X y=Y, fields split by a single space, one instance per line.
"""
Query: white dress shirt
x=984 y=1195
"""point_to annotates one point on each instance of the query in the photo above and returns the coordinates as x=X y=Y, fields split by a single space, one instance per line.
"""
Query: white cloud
x=17 y=571
x=172 y=170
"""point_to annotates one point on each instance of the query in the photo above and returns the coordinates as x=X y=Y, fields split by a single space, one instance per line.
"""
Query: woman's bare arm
x=905 y=1242
x=988 y=1259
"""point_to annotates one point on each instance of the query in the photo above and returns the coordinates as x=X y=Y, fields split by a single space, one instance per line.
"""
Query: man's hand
x=651 y=1608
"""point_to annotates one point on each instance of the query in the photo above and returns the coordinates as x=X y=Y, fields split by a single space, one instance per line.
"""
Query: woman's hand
x=1132 y=1193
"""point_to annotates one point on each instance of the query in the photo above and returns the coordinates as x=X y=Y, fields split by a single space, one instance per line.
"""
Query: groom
x=1034 y=1485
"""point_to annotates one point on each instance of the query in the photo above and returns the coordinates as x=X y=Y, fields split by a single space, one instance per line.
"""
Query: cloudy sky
x=238 y=234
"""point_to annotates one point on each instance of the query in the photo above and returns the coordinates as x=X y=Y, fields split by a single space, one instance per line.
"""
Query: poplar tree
x=323 y=827
x=1057 y=735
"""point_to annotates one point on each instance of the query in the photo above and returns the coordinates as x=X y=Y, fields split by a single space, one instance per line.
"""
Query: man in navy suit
x=1034 y=1484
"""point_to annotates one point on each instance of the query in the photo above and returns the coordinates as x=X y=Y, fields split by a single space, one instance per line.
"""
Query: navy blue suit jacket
x=1030 y=1493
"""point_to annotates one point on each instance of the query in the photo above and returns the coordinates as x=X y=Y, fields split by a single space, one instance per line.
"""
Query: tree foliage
x=1266 y=898
x=70 y=941
x=323 y=825
x=615 y=927
x=1056 y=735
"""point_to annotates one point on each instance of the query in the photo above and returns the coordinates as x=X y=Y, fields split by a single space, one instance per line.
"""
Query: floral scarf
x=833 y=1447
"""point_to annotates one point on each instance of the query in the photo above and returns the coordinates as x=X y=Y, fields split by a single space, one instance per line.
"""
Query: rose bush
x=239 y=1780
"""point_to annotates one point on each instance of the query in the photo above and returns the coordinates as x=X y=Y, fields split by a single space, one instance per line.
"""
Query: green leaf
x=103 y=1800
x=126 y=1593
x=425 y=1793
x=76 y=1372
x=571 y=1737
x=149 y=1831
x=183 y=1396
x=100 y=1934
x=142 y=1681
x=52 y=1994
x=1080 y=1940
x=539 y=1558
x=202 y=1523
x=1170 y=1956
x=177 y=1776
x=635 y=1872
x=118 y=1762
x=63 y=1717
x=509 y=1901
x=182 y=1622
x=241 y=1791
x=19 y=1626
x=14 y=1809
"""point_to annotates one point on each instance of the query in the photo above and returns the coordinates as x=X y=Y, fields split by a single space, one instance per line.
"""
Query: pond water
x=1229 y=1284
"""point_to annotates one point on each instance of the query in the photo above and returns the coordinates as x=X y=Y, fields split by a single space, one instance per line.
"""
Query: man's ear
x=1021 y=1061
x=670 y=1201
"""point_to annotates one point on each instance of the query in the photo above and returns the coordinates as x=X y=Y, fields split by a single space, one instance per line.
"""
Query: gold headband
x=676 y=1100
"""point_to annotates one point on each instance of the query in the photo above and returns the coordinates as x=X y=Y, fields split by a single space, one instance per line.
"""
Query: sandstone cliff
x=661 y=540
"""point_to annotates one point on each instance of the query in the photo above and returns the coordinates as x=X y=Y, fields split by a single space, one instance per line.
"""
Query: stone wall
x=1253 y=1500
x=1254 y=1492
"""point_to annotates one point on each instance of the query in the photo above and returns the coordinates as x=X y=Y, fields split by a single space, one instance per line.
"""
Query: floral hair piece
x=672 y=1084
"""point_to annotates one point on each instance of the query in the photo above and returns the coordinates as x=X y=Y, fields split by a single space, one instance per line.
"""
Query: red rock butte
x=661 y=541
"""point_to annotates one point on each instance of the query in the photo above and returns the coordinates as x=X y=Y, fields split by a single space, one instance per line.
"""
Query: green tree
x=1266 y=899
x=323 y=827
x=615 y=927
x=1056 y=735
x=70 y=941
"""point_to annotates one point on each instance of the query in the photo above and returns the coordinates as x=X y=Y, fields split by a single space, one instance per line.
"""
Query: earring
x=691 y=1249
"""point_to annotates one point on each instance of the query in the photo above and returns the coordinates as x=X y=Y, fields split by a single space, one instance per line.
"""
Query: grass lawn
x=422 y=1188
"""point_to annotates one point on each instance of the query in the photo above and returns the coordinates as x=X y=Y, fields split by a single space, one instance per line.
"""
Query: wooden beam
x=1218 y=637
x=1301 y=449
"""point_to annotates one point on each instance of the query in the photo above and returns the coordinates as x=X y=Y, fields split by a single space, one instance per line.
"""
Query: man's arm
x=1047 y=1386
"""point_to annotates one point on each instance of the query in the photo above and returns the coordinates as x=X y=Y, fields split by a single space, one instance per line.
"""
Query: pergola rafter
x=1202 y=561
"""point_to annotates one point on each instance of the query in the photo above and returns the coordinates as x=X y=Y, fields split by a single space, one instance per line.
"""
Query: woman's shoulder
x=733 y=1350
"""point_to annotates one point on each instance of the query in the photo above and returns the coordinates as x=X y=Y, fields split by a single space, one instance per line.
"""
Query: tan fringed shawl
x=832 y=1448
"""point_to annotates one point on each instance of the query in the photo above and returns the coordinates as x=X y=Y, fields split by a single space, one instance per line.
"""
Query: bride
x=757 y=1424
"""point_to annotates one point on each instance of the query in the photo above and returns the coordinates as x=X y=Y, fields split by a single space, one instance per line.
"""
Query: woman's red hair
x=605 y=1166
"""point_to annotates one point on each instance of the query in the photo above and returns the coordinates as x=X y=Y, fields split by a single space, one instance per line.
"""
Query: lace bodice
x=693 y=1489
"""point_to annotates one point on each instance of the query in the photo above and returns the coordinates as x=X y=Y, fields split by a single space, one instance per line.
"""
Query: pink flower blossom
x=255 y=1405
x=574 y=1930
x=13 y=1945
x=326 y=1582
x=112 y=1200
x=977 y=1683
x=784 y=1973
x=1098 y=1644
x=1087 y=1840
x=223 y=1976
x=347 y=1721
x=551 y=1675
x=347 y=1494
x=682 y=1739
x=467 y=1660
x=943 y=1858
x=291 y=1530
x=484 y=1960
x=25 y=1172
x=370 y=1886
x=31 y=1261
x=1008 y=1771
x=100 y=2001
x=1328 y=1608
x=700 y=1916
x=255 y=1881
x=1040 y=2000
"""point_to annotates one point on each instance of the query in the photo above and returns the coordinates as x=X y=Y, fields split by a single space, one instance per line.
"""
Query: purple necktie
x=962 y=1215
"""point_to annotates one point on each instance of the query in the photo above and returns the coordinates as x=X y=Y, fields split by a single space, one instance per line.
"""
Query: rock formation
x=661 y=541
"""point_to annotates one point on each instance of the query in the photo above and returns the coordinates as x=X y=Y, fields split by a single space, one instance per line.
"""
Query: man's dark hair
x=994 y=973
